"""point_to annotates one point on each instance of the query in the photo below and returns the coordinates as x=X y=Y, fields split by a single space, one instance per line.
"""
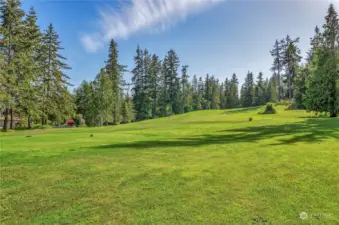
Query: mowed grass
x=206 y=167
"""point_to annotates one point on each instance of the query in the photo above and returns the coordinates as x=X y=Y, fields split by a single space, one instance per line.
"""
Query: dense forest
x=34 y=84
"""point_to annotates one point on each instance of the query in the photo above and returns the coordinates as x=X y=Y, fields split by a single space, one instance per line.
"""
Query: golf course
x=204 y=167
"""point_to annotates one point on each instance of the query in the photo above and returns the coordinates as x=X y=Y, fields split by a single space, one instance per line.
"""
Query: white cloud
x=92 y=42
x=140 y=15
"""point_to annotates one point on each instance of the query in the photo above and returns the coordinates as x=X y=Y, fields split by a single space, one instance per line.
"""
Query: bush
x=83 y=125
x=269 y=109
x=39 y=126
x=20 y=124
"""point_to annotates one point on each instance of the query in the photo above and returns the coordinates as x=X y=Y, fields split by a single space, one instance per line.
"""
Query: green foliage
x=268 y=109
x=248 y=91
x=322 y=92
x=40 y=126
x=32 y=69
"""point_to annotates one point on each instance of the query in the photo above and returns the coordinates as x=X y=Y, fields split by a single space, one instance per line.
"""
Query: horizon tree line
x=34 y=85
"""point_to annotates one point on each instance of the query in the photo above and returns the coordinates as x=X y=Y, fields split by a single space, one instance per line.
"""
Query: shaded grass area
x=312 y=130
x=200 y=168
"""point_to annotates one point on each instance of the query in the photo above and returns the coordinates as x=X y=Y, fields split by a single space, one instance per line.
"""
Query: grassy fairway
x=206 y=167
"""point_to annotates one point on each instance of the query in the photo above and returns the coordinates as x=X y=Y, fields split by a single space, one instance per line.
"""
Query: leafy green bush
x=83 y=125
x=46 y=127
x=268 y=109
x=39 y=126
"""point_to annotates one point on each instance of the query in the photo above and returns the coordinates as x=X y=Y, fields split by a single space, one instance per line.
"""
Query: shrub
x=46 y=127
x=20 y=124
x=269 y=109
x=83 y=125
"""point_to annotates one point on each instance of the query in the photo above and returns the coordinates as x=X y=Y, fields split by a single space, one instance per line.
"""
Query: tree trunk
x=279 y=87
x=5 y=127
x=289 y=88
x=11 y=123
x=101 y=118
x=29 y=122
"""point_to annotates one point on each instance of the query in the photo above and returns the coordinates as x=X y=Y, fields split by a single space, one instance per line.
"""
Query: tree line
x=34 y=84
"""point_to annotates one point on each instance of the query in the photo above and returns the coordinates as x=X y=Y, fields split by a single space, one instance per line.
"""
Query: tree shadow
x=215 y=122
x=309 y=131
x=242 y=110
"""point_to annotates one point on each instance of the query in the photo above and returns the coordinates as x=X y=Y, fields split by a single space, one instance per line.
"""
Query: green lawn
x=206 y=167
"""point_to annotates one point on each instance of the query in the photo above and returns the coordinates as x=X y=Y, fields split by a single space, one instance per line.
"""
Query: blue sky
x=218 y=37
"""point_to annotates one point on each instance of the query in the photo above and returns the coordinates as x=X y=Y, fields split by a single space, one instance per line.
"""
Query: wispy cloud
x=139 y=15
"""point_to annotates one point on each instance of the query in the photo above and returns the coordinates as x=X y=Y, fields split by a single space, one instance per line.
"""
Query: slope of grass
x=206 y=167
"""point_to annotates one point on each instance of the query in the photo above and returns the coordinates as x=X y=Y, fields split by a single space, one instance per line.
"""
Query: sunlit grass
x=207 y=167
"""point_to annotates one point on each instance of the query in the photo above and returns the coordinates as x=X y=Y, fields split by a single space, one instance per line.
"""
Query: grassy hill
x=206 y=167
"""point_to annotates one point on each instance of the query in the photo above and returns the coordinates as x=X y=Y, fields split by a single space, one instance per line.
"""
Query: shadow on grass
x=309 y=131
x=242 y=110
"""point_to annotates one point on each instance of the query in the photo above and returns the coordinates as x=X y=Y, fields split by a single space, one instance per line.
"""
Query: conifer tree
x=104 y=92
x=291 y=59
x=185 y=90
x=154 y=79
x=277 y=66
x=54 y=80
x=259 y=95
x=322 y=92
x=137 y=81
x=115 y=71
x=30 y=91
x=171 y=82
x=11 y=16
x=248 y=89
x=234 y=99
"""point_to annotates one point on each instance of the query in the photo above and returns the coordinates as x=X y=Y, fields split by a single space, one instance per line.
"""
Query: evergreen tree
x=243 y=96
x=155 y=73
x=195 y=94
x=86 y=101
x=11 y=16
x=248 y=89
x=171 y=83
x=104 y=93
x=234 y=93
x=227 y=91
x=215 y=101
x=300 y=86
x=54 y=80
x=185 y=89
x=115 y=71
x=30 y=88
x=291 y=59
x=259 y=91
x=127 y=111
x=322 y=93
x=278 y=64
x=138 y=87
